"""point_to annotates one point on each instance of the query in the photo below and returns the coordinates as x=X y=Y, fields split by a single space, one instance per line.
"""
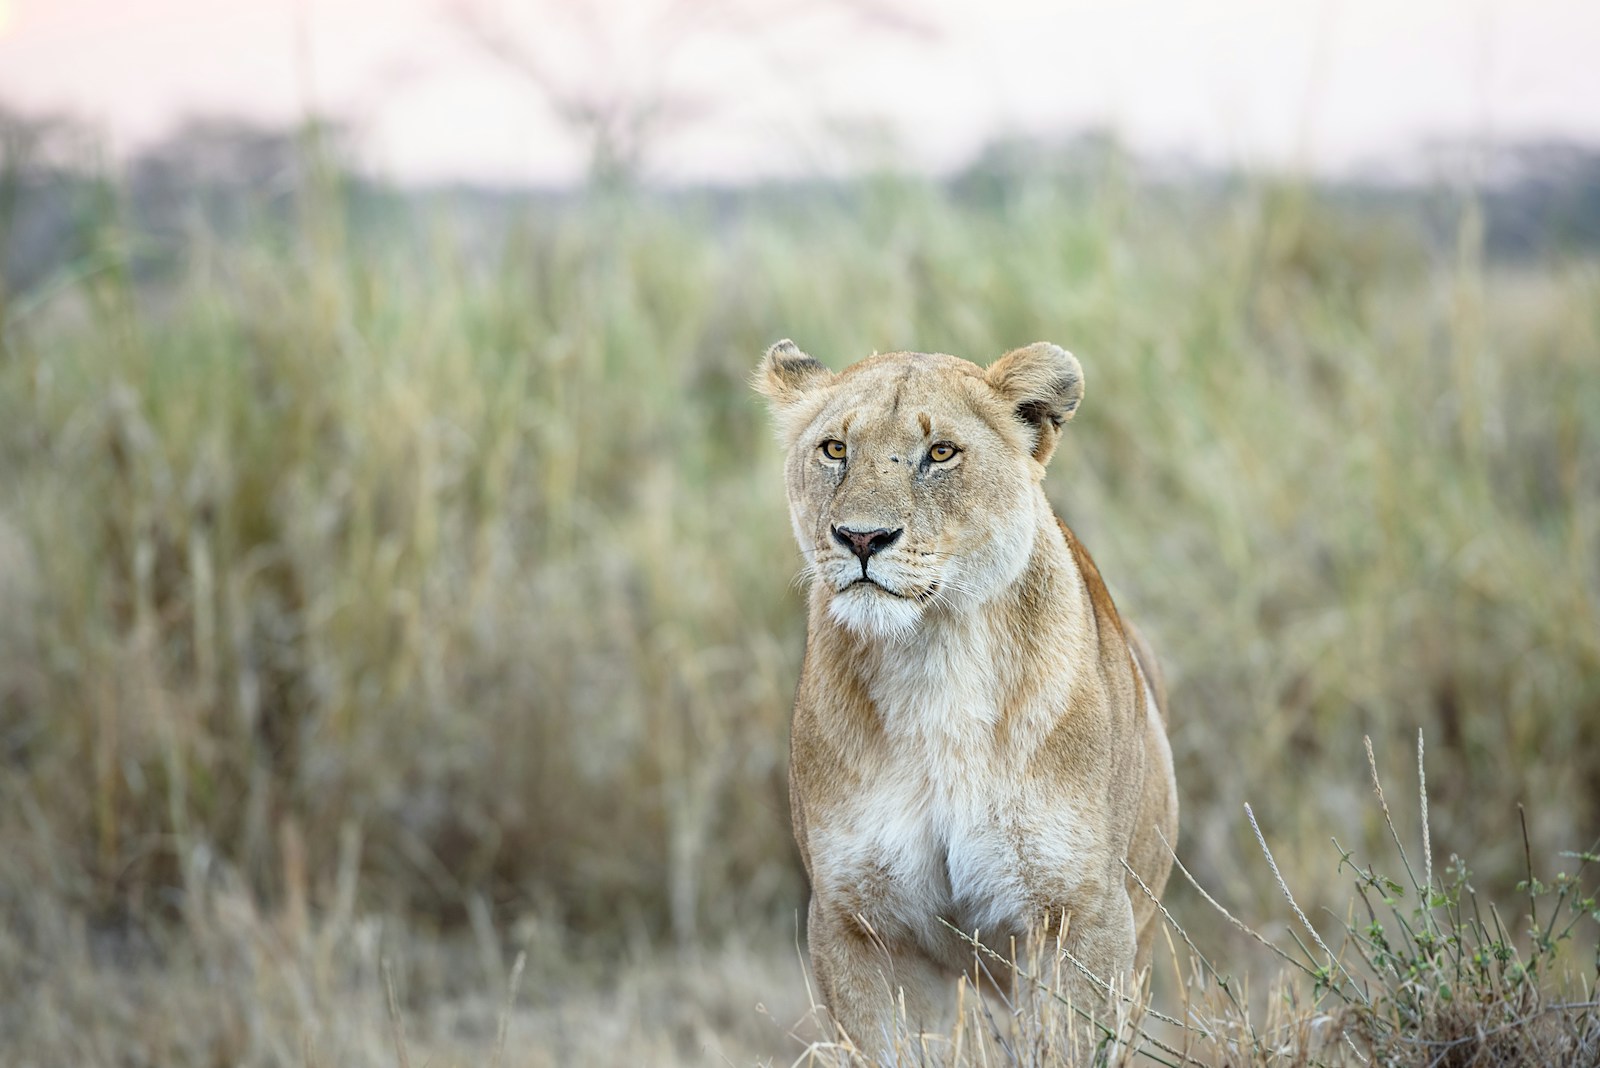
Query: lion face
x=913 y=479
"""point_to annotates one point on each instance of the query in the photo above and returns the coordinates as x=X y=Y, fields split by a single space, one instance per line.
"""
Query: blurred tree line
x=223 y=178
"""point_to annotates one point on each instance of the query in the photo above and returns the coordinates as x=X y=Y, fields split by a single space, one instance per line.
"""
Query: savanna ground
x=391 y=592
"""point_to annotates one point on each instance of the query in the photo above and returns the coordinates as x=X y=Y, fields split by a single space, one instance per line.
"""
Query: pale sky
x=780 y=87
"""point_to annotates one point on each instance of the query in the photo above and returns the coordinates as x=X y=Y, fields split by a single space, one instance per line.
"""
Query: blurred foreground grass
x=396 y=572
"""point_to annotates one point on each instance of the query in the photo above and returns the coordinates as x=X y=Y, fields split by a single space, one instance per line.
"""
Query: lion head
x=914 y=479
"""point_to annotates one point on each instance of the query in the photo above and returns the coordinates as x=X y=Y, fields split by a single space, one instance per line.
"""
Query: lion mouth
x=920 y=596
x=865 y=581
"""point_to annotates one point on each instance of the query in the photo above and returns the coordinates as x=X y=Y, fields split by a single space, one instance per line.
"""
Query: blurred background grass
x=424 y=556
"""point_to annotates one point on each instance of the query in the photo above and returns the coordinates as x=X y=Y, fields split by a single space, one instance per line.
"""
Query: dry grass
x=245 y=987
x=373 y=588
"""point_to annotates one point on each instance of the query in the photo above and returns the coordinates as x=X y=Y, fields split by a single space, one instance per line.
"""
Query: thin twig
x=1283 y=886
x=1201 y=957
x=396 y=1024
x=505 y=1013
x=1527 y=856
x=1230 y=917
x=1427 y=845
x=1372 y=763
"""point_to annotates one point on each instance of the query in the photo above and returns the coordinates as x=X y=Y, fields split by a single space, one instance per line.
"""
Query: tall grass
x=457 y=569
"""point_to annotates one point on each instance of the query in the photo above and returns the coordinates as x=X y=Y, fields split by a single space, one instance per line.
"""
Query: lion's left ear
x=1044 y=384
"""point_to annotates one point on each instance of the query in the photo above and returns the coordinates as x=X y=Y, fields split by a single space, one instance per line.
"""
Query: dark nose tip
x=865 y=542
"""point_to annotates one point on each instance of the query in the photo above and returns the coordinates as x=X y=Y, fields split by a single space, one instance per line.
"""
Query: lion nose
x=865 y=542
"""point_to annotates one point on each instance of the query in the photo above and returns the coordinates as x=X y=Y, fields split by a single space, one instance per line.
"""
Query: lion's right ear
x=786 y=374
x=1044 y=385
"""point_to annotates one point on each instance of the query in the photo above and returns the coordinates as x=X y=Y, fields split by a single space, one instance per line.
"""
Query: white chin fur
x=874 y=613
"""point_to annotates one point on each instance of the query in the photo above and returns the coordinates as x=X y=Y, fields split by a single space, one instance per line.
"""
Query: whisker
x=803 y=577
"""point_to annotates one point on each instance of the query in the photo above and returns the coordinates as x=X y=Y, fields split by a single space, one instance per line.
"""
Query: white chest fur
x=938 y=832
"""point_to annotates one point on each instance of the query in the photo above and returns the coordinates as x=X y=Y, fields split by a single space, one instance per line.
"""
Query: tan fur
x=973 y=741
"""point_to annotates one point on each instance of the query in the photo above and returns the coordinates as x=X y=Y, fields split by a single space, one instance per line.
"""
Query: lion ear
x=1043 y=383
x=786 y=374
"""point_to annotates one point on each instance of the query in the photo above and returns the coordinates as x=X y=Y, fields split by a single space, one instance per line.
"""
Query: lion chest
x=911 y=854
x=941 y=830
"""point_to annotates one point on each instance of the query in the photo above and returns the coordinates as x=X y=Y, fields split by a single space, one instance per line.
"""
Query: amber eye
x=942 y=452
x=833 y=449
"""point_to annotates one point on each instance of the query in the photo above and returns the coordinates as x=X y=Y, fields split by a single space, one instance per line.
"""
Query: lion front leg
x=876 y=990
x=1104 y=944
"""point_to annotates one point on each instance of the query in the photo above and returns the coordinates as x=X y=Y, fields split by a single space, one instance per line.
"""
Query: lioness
x=978 y=738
